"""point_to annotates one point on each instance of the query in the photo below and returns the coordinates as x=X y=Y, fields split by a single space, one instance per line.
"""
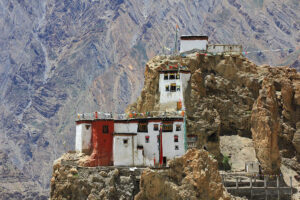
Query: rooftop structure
x=188 y=43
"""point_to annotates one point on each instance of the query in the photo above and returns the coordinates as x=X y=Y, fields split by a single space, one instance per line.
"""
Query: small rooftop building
x=224 y=48
x=172 y=84
x=188 y=43
x=83 y=136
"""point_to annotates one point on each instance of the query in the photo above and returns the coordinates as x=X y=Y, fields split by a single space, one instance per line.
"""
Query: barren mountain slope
x=58 y=58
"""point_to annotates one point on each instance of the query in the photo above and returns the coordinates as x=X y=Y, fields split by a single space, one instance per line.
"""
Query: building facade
x=224 y=48
x=188 y=43
x=133 y=142
x=172 y=84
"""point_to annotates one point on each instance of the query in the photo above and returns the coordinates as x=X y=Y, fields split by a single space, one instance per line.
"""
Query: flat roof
x=174 y=71
x=124 y=134
x=149 y=119
x=194 y=37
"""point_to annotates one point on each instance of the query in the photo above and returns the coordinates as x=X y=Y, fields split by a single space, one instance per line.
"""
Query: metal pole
x=251 y=187
x=278 y=188
x=265 y=186
x=291 y=185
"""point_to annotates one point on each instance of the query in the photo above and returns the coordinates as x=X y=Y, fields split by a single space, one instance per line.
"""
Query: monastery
x=144 y=139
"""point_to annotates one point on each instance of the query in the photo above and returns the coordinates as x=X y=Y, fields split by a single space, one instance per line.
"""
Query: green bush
x=225 y=163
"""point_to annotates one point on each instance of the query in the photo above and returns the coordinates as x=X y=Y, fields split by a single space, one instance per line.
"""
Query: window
x=176 y=147
x=178 y=88
x=167 y=88
x=177 y=76
x=172 y=76
x=147 y=138
x=155 y=127
x=125 y=141
x=167 y=127
x=87 y=127
x=105 y=129
x=173 y=87
x=175 y=138
x=166 y=77
x=178 y=127
x=143 y=127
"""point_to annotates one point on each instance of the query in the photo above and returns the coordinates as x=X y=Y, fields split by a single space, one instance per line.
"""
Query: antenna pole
x=176 y=40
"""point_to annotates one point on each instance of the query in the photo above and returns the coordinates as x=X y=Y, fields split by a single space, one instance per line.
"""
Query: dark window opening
x=167 y=127
x=143 y=127
x=172 y=76
x=125 y=141
x=105 y=129
x=155 y=127
x=140 y=147
x=176 y=147
x=178 y=127
x=175 y=138
x=87 y=127
x=212 y=138
x=177 y=76
x=167 y=88
x=147 y=138
x=164 y=161
x=166 y=77
x=178 y=88
x=173 y=87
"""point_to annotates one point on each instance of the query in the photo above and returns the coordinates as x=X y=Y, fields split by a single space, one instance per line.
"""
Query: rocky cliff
x=229 y=95
x=192 y=176
x=58 y=58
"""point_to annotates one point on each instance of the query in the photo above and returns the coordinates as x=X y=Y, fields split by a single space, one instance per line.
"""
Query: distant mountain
x=58 y=58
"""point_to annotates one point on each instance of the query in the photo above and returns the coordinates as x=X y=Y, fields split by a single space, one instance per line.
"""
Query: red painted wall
x=102 y=143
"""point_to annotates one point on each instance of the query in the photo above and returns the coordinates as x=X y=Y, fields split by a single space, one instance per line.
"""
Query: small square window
x=172 y=76
x=155 y=127
x=177 y=76
x=175 y=138
x=173 y=87
x=178 y=87
x=166 y=77
x=147 y=138
x=125 y=141
x=167 y=127
x=176 y=147
x=178 y=127
x=105 y=129
x=87 y=127
x=143 y=127
x=167 y=88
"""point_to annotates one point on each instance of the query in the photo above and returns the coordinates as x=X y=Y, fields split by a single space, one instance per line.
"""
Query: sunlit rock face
x=58 y=58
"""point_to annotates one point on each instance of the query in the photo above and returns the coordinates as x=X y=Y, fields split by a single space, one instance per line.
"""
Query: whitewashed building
x=188 y=43
x=83 y=136
x=224 y=48
x=137 y=141
x=172 y=84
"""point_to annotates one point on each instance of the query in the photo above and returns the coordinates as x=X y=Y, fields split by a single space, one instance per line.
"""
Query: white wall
x=83 y=137
x=169 y=144
x=123 y=154
x=220 y=48
x=125 y=127
x=167 y=97
x=129 y=155
x=187 y=45
x=151 y=148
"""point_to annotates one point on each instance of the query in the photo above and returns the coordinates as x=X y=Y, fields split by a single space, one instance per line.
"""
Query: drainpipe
x=185 y=139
